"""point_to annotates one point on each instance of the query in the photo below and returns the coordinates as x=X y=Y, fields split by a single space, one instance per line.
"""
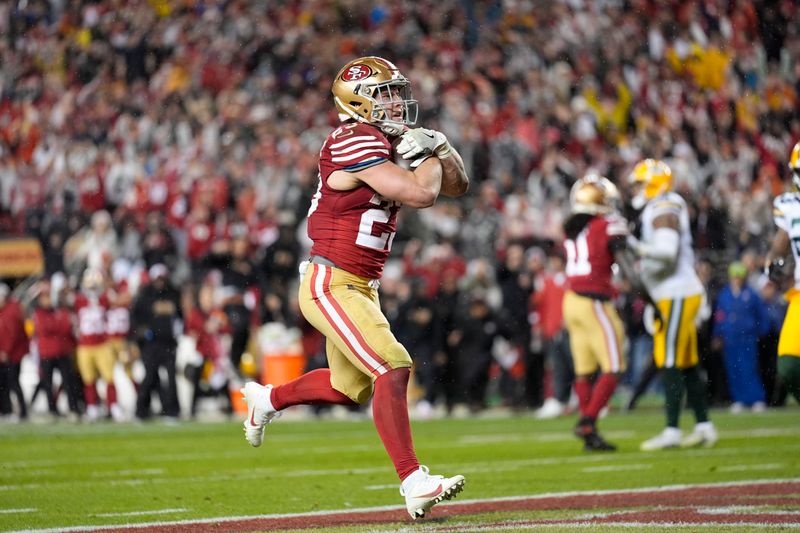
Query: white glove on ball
x=421 y=141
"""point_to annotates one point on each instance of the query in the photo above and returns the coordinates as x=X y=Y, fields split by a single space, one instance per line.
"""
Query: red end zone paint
x=685 y=505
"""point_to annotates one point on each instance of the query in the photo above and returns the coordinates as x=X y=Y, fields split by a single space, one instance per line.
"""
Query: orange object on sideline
x=282 y=368
x=237 y=401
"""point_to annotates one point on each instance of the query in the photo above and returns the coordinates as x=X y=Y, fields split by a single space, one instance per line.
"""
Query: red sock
x=583 y=388
x=313 y=388
x=90 y=394
x=601 y=393
x=390 y=414
x=111 y=394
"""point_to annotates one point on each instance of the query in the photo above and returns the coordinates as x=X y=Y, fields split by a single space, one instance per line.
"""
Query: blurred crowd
x=184 y=134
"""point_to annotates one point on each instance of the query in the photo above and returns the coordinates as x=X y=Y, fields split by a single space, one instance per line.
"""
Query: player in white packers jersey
x=667 y=270
x=787 y=217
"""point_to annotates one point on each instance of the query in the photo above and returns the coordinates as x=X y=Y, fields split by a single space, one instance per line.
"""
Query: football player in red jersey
x=596 y=239
x=94 y=355
x=352 y=221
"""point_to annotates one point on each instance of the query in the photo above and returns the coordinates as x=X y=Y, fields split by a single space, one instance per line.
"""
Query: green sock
x=673 y=393
x=696 y=393
x=789 y=371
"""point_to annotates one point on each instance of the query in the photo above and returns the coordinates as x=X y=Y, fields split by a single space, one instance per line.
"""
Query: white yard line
x=617 y=468
x=14 y=511
x=667 y=488
x=747 y=468
x=145 y=513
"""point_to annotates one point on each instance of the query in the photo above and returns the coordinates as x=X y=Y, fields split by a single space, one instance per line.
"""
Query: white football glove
x=421 y=141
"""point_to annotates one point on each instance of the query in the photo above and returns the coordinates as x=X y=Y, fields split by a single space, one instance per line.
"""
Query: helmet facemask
x=393 y=107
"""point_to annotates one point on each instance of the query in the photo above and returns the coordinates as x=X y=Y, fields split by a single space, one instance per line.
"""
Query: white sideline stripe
x=145 y=513
x=752 y=509
x=616 y=468
x=23 y=510
x=644 y=526
x=380 y=487
x=333 y=512
x=745 y=468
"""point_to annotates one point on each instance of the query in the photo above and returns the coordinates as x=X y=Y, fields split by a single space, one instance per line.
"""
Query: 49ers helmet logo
x=356 y=72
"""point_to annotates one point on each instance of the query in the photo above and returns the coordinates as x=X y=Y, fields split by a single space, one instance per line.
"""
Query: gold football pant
x=96 y=359
x=675 y=342
x=789 y=343
x=596 y=334
x=359 y=344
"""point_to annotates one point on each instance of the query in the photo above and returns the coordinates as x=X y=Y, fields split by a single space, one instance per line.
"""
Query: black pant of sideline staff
x=9 y=384
x=154 y=356
x=68 y=379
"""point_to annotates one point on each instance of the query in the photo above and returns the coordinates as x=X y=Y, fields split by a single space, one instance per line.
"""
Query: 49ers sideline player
x=95 y=356
x=352 y=221
x=596 y=239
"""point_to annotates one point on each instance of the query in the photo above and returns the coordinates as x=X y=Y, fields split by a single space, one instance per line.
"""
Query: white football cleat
x=426 y=490
x=92 y=413
x=704 y=434
x=259 y=411
x=669 y=438
x=117 y=414
x=551 y=408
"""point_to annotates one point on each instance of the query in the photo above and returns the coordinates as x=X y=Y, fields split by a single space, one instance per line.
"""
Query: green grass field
x=61 y=475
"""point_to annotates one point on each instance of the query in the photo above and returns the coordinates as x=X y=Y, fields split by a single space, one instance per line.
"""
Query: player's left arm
x=419 y=142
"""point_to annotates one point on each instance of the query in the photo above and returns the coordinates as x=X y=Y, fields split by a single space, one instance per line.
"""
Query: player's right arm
x=418 y=188
x=780 y=243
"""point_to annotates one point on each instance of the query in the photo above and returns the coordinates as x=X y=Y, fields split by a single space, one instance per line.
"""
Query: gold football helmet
x=593 y=194
x=794 y=166
x=649 y=178
x=372 y=90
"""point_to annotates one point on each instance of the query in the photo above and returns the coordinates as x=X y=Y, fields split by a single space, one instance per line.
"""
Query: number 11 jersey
x=354 y=228
x=590 y=255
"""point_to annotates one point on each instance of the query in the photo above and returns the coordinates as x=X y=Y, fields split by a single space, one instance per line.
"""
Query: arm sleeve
x=359 y=150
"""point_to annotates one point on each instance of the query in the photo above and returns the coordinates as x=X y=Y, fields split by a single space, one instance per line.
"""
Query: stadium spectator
x=207 y=324
x=740 y=319
x=14 y=346
x=156 y=320
x=547 y=301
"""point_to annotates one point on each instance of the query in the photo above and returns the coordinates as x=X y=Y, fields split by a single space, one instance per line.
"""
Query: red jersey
x=53 y=331
x=354 y=228
x=118 y=322
x=91 y=313
x=13 y=339
x=589 y=255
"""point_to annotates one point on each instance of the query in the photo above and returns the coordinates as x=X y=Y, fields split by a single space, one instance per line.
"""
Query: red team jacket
x=355 y=228
x=13 y=339
x=91 y=314
x=53 y=331
x=589 y=256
